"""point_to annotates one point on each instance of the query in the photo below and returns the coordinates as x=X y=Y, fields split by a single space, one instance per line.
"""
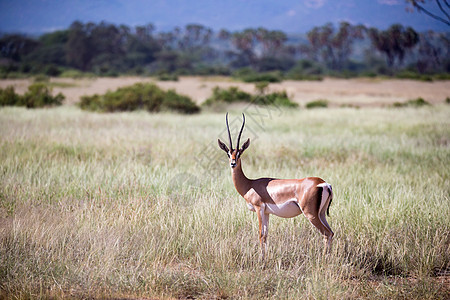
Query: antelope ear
x=223 y=146
x=245 y=146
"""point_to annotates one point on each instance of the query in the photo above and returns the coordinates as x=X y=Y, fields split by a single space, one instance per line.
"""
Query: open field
x=139 y=205
x=359 y=92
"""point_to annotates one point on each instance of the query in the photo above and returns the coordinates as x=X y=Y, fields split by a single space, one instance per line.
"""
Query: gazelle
x=285 y=198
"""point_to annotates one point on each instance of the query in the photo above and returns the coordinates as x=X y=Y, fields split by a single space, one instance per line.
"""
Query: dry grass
x=135 y=205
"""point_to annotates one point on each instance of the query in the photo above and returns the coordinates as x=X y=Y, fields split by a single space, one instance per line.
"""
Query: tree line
x=106 y=49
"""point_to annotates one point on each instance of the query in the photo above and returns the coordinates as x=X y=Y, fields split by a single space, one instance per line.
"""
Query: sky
x=291 y=16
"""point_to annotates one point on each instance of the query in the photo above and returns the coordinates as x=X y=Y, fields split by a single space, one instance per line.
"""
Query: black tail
x=331 y=199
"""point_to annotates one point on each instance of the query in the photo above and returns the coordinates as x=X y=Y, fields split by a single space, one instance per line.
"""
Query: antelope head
x=234 y=155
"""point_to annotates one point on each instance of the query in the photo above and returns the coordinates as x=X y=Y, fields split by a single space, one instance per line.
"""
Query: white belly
x=288 y=209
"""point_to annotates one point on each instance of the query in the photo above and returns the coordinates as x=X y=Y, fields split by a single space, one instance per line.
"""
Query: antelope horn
x=229 y=134
x=240 y=132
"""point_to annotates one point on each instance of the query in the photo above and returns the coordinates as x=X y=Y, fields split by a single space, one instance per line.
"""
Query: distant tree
x=244 y=42
x=433 y=52
x=16 y=46
x=271 y=41
x=262 y=49
x=194 y=36
x=51 y=50
x=394 y=42
x=166 y=40
x=224 y=34
x=331 y=46
x=141 y=47
x=79 y=47
x=442 y=5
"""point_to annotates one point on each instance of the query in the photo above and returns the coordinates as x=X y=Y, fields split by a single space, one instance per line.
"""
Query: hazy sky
x=292 y=16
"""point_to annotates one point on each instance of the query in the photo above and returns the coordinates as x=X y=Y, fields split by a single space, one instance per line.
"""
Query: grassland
x=138 y=205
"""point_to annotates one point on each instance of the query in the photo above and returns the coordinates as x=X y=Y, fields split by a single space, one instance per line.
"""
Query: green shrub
x=419 y=102
x=38 y=95
x=268 y=77
x=303 y=77
x=180 y=103
x=234 y=94
x=275 y=98
x=167 y=77
x=230 y=95
x=76 y=74
x=139 y=96
x=52 y=70
x=91 y=103
x=408 y=74
x=248 y=75
x=306 y=70
x=442 y=76
x=8 y=96
x=447 y=100
x=320 y=103
x=41 y=78
x=262 y=87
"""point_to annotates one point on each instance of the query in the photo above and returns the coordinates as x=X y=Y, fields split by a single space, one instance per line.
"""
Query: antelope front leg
x=263 y=220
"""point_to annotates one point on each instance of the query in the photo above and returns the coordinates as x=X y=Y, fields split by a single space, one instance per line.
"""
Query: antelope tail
x=327 y=196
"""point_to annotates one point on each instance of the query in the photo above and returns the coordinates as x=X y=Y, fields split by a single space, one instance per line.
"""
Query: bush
x=41 y=78
x=248 y=75
x=76 y=74
x=407 y=74
x=139 y=96
x=38 y=95
x=419 y=102
x=233 y=95
x=180 y=103
x=275 y=98
x=306 y=70
x=267 y=77
x=167 y=77
x=320 y=103
x=8 y=96
x=52 y=70
x=230 y=95
x=91 y=103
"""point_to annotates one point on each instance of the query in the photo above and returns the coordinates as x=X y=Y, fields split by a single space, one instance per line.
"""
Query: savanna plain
x=141 y=205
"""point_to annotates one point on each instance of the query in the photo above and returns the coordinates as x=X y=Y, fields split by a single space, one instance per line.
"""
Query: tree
x=330 y=46
x=51 y=49
x=16 y=46
x=433 y=52
x=443 y=6
x=194 y=36
x=394 y=42
x=141 y=47
x=79 y=48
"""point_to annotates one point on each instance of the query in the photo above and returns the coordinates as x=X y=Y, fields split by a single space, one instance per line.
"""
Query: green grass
x=120 y=205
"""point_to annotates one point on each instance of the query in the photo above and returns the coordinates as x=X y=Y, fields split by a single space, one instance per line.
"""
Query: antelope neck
x=241 y=182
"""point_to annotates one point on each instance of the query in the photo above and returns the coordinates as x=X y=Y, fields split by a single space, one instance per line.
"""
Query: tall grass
x=122 y=205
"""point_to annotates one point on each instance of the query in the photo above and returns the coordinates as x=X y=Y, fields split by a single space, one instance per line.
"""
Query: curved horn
x=240 y=132
x=229 y=134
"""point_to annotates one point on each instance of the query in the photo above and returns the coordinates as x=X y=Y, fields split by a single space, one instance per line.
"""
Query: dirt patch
x=357 y=92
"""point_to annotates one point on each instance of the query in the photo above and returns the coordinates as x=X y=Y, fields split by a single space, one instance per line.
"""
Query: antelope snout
x=233 y=163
